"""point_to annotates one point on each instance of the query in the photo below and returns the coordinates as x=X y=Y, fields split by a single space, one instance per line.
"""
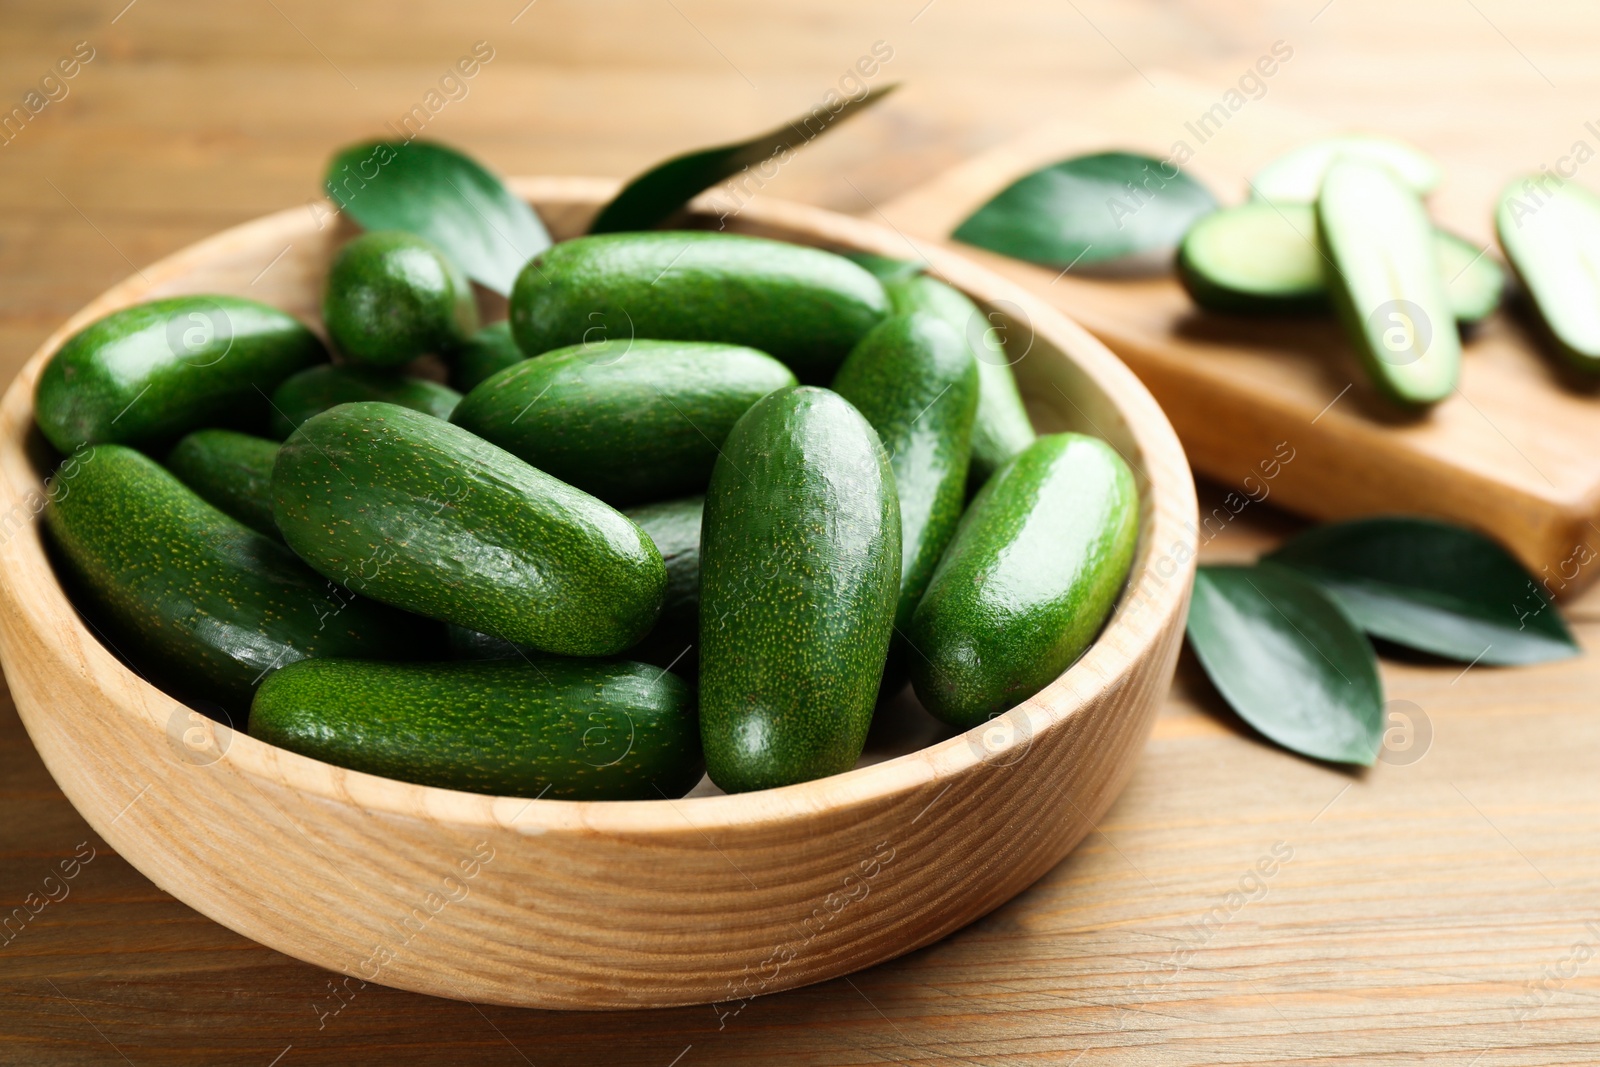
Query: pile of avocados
x=696 y=506
x=1339 y=224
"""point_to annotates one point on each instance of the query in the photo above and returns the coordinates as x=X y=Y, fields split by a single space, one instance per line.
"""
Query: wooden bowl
x=560 y=904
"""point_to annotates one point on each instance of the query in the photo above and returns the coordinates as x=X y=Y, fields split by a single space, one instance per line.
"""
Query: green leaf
x=658 y=193
x=437 y=193
x=1289 y=661
x=1433 y=586
x=1092 y=209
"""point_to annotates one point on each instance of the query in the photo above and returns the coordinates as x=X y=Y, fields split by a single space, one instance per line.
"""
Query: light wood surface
x=1408 y=925
x=562 y=904
x=1510 y=452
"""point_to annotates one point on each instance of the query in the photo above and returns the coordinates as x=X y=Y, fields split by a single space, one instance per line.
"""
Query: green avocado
x=674 y=526
x=628 y=421
x=1002 y=428
x=195 y=600
x=416 y=512
x=544 y=727
x=483 y=355
x=1034 y=569
x=311 y=392
x=804 y=307
x=231 y=471
x=393 y=296
x=915 y=381
x=149 y=374
x=799 y=577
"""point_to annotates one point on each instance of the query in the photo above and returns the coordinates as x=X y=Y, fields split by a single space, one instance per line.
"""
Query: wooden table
x=1441 y=910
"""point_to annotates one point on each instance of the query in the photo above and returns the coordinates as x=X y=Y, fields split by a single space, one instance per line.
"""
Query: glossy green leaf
x=1092 y=209
x=658 y=193
x=1436 y=587
x=442 y=195
x=1289 y=661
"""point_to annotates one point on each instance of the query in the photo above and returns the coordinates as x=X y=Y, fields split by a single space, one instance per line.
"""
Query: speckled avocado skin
x=799 y=576
x=421 y=514
x=393 y=296
x=914 y=379
x=569 y=729
x=674 y=526
x=629 y=421
x=150 y=373
x=1002 y=428
x=230 y=471
x=313 y=391
x=483 y=355
x=199 y=602
x=1035 y=567
x=802 y=306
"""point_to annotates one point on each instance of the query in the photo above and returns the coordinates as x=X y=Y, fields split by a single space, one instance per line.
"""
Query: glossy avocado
x=195 y=600
x=150 y=373
x=629 y=421
x=313 y=391
x=1002 y=428
x=916 y=382
x=674 y=526
x=418 y=513
x=1034 y=569
x=231 y=471
x=545 y=727
x=393 y=296
x=802 y=306
x=799 y=577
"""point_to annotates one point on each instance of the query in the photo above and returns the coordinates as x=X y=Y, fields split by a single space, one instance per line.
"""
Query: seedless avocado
x=629 y=421
x=314 y=391
x=231 y=471
x=1551 y=235
x=1034 y=569
x=418 y=513
x=1385 y=281
x=799 y=576
x=1002 y=428
x=804 y=307
x=555 y=728
x=483 y=355
x=914 y=379
x=152 y=372
x=1297 y=176
x=202 y=602
x=674 y=526
x=393 y=296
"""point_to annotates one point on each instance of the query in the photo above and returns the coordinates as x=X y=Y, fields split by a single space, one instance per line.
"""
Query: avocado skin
x=313 y=391
x=673 y=643
x=1002 y=428
x=629 y=421
x=393 y=296
x=421 y=514
x=543 y=727
x=915 y=380
x=150 y=373
x=230 y=471
x=799 y=577
x=804 y=307
x=196 y=600
x=1034 y=569
x=483 y=355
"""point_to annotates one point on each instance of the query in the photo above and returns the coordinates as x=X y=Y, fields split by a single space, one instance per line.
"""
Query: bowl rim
x=1148 y=601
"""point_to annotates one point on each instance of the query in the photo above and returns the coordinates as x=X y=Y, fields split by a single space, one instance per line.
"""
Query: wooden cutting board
x=1515 y=452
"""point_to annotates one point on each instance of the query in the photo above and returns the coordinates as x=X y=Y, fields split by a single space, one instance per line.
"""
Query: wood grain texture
x=1406 y=928
x=561 y=904
x=1509 y=453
